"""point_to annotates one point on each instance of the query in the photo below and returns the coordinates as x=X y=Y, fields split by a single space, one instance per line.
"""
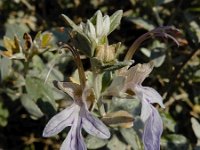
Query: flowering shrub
x=80 y=87
x=92 y=40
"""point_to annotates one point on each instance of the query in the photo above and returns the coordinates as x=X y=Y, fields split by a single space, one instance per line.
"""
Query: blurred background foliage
x=27 y=96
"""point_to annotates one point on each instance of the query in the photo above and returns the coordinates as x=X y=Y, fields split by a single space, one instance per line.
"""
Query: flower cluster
x=14 y=49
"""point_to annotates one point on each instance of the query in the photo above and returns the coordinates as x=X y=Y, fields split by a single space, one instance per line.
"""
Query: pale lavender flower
x=152 y=121
x=131 y=80
x=77 y=116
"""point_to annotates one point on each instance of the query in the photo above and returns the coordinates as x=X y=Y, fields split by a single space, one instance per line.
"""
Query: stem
x=97 y=80
x=136 y=44
x=165 y=32
x=81 y=71
x=78 y=63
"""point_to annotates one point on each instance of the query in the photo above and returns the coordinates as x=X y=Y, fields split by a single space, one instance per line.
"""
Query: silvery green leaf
x=82 y=25
x=174 y=142
x=12 y=94
x=99 y=23
x=90 y=140
x=131 y=138
x=146 y=51
x=116 y=86
x=161 y=2
x=85 y=45
x=18 y=56
x=38 y=63
x=115 y=143
x=94 y=17
x=90 y=30
x=115 y=20
x=106 y=25
x=31 y=106
x=16 y=29
x=37 y=89
x=125 y=104
x=146 y=24
x=72 y=24
x=158 y=57
x=32 y=88
x=168 y=121
x=196 y=127
x=5 y=65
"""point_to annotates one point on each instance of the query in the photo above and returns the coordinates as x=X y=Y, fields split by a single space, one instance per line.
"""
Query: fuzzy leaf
x=131 y=138
x=99 y=23
x=196 y=127
x=5 y=67
x=116 y=143
x=90 y=140
x=174 y=142
x=37 y=89
x=71 y=23
x=31 y=106
x=115 y=20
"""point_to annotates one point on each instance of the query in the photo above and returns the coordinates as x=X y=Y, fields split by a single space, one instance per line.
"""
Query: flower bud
x=105 y=53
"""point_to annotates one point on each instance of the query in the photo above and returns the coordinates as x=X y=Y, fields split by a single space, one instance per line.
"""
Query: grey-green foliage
x=5 y=67
x=132 y=138
x=31 y=106
x=40 y=97
x=116 y=143
x=94 y=142
x=16 y=29
x=174 y=142
x=168 y=121
x=196 y=129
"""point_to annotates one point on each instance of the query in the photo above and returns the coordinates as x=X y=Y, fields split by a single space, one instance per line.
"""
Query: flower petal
x=94 y=126
x=74 y=140
x=90 y=30
x=99 y=22
x=148 y=94
x=61 y=120
x=72 y=89
x=152 y=131
x=137 y=74
x=106 y=25
x=145 y=111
